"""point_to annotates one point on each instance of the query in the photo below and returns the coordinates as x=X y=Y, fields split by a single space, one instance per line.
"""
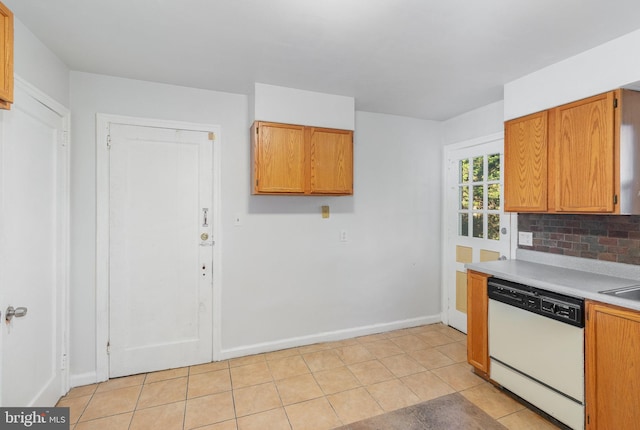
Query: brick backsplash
x=602 y=237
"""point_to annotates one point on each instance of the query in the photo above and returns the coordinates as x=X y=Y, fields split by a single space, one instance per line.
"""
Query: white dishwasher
x=536 y=347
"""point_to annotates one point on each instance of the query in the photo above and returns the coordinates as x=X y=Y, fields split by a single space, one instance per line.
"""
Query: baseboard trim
x=81 y=379
x=331 y=336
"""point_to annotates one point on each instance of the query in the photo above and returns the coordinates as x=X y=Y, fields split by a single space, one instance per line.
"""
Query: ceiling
x=419 y=58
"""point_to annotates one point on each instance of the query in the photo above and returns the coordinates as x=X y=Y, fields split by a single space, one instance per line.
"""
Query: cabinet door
x=279 y=162
x=584 y=149
x=6 y=57
x=525 y=163
x=612 y=367
x=477 y=325
x=331 y=161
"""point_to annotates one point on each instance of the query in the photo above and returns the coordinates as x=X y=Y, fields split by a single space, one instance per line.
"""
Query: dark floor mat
x=451 y=412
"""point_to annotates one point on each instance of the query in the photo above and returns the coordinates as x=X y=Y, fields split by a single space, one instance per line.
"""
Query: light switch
x=525 y=238
x=325 y=211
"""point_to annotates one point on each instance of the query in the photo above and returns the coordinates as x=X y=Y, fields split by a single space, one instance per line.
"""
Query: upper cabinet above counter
x=6 y=57
x=581 y=157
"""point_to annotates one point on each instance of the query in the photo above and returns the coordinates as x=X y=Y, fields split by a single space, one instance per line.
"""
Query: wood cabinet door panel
x=6 y=57
x=279 y=158
x=612 y=367
x=584 y=155
x=525 y=163
x=477 y=323
x=331 y=161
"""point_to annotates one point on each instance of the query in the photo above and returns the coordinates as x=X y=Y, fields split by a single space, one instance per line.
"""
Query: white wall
x=286 y=277
x=606 y=67
x=484 y=121
x=36 y=64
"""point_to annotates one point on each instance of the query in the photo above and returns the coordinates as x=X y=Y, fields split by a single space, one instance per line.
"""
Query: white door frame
x=63 y=209
x=451 y=223
x=102 y=229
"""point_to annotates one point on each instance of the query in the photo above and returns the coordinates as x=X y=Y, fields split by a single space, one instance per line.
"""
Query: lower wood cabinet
x=477 y=324
x=612 y=366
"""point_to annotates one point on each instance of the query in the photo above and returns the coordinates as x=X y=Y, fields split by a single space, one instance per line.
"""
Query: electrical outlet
x=525 y=238
x=343 y=236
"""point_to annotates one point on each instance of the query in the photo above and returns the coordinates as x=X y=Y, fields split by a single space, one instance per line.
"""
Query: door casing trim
x=103 y=122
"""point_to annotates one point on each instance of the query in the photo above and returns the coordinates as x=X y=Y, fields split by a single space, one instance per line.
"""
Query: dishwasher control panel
x=546 y=303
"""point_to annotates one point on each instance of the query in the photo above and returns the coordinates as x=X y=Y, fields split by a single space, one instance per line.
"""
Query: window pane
x=464 y=171
x=493 y=226
x=464 y=197
x=494 y=167
x=463 y=225
x=493 y=197
x=478 y=197
x=478 y=225
x=478 y=169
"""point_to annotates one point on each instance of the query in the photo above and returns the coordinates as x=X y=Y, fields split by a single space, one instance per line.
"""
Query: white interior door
x=161 y=248
x=33 y=252
x=477 y=227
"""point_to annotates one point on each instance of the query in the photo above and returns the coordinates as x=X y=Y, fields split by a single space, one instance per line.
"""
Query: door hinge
x=615 y=103
x=108 y=141
x=615 y=199
x=109 y=347
x=587 y=315
x=257 y=128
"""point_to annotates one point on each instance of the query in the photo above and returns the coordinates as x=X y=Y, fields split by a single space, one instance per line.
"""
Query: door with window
x=477 y=229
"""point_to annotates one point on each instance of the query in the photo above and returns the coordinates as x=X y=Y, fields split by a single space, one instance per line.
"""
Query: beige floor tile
x=111 y=403
x=392 y=395
x=431 y=358
x=253 y=374
x=372 y=338
x=165 y=417
x=398 y=333
x=402 y=365
x=249 y=359
x=427 y=386
x=166 y=374
x=455 y=351
x=275 y=419
x=354 y=354
x=453 y=333
x=370 y=372
x=225 y=425
x=423 y=329
x=312 y=415
x=435 y=338
x=298 y=389
x=277 y=355
x=203 y=384
x=313 y=348
x=255 y=399
x=117 y=383
x=82 y=391
x=354 y=405
x=115 y=422
x=163 y=392
x=495 y=403
x=211 y=409
x=335 y=380
x=459 y=376
x=209 y=367
x=343 y=343
x=288 y=367
x=322 y=360
x=383 y=348
x=526 y=419
x=76 y=406
x=410 y=342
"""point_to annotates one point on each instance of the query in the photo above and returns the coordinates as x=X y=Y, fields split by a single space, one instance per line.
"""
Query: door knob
x=11 y=312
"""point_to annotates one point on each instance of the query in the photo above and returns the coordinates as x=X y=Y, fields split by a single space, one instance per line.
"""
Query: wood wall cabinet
x=477 y=323
x=612 y=366
x=301 y=160
x=6 y=57
x=525 y=163
x=568 y=159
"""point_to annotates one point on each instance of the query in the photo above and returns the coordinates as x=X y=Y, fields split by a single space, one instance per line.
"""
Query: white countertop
x=559 y=274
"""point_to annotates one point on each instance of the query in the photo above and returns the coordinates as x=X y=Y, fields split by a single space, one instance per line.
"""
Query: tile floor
x=320 y=386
